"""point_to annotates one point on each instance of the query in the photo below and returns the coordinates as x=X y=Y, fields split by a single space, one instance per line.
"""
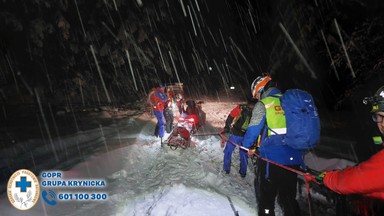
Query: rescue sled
x=187 y=124
x=179 y=137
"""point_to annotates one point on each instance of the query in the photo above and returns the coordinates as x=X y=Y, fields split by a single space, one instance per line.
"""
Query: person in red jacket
x=367 y=178
x=157 y=97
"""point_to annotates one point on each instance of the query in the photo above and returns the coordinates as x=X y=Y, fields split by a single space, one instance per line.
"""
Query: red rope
x=307 y=176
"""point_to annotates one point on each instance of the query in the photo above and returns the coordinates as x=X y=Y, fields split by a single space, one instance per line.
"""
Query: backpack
x=242 y=120
x=302 y=119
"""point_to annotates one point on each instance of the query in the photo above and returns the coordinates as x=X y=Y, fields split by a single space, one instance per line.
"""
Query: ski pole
x=242 y=147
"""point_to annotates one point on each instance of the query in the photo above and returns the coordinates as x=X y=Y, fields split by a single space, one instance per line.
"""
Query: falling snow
x=74 y=77
x=144 y=178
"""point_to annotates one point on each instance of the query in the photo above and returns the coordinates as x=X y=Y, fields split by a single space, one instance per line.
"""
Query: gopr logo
x=23 y=189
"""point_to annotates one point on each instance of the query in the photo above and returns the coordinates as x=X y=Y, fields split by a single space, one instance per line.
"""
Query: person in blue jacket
x=237 y=123
x=268 y=126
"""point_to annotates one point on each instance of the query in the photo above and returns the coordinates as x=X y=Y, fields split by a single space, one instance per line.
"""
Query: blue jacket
x=271 y=147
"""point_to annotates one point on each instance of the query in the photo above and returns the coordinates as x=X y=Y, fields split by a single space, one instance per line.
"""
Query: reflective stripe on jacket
x=271 y=147
x=272 y=144
x=275 y=116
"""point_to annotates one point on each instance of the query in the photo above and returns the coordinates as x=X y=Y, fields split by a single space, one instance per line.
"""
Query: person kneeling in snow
x=239 y=118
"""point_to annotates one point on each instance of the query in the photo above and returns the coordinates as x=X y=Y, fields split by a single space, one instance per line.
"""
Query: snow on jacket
x=272 y=147
x=366 y=179
x=157 y=98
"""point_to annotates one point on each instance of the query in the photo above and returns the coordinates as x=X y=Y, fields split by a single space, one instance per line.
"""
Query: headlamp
x=376 y=101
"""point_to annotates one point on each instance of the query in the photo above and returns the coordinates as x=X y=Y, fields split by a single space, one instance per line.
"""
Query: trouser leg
x=168 y=114
x=159 y=130
x=243 y=162
x=267 y=191
x=229 y=147
x=285 y=182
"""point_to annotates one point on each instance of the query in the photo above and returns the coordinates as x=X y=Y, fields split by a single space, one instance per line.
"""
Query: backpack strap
x=271 y=129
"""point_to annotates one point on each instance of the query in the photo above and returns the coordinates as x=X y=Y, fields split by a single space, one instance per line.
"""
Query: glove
x=252 y=150
x=320 y=177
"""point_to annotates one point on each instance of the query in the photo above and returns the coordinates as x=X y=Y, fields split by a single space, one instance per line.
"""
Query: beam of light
x=149 y=19
x=345 y=49
x=161 y=54
x=242 y=55
x=298 y=51
x=13 y=74
x=237 y=60
x=174 y=66
x=253 y=23
x=110 y=31
x=183 y=8
x=81 y=92
x=197 y=5
x=213 y=38
x=81 y=20
x=130 y=67
x=190 y=38
x=222 y=77
x=199 y=61
x=101 y=76
x=114 y=3
x=330 y=56
x=46 y=124
x=222 y=39
x=183 y=63
x=197 y=20
x=193 y=23
x=109 y=14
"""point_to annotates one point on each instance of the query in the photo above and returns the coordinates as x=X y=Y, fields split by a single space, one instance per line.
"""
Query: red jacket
x=366 y=179
x=235 y=112
x=239 y=118
x=157 y=98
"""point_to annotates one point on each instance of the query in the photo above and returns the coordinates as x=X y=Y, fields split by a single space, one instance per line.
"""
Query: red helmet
x=258 y=85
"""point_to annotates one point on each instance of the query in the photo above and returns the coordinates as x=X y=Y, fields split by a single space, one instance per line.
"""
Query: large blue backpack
x=302 y=119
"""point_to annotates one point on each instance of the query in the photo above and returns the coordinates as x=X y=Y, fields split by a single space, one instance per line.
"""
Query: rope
x=307 y=176
x=205 y=134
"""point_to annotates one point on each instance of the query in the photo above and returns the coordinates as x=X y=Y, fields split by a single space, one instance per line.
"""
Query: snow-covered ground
x=143 y=178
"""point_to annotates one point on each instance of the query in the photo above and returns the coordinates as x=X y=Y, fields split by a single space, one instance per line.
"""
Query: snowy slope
x=144 y=178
